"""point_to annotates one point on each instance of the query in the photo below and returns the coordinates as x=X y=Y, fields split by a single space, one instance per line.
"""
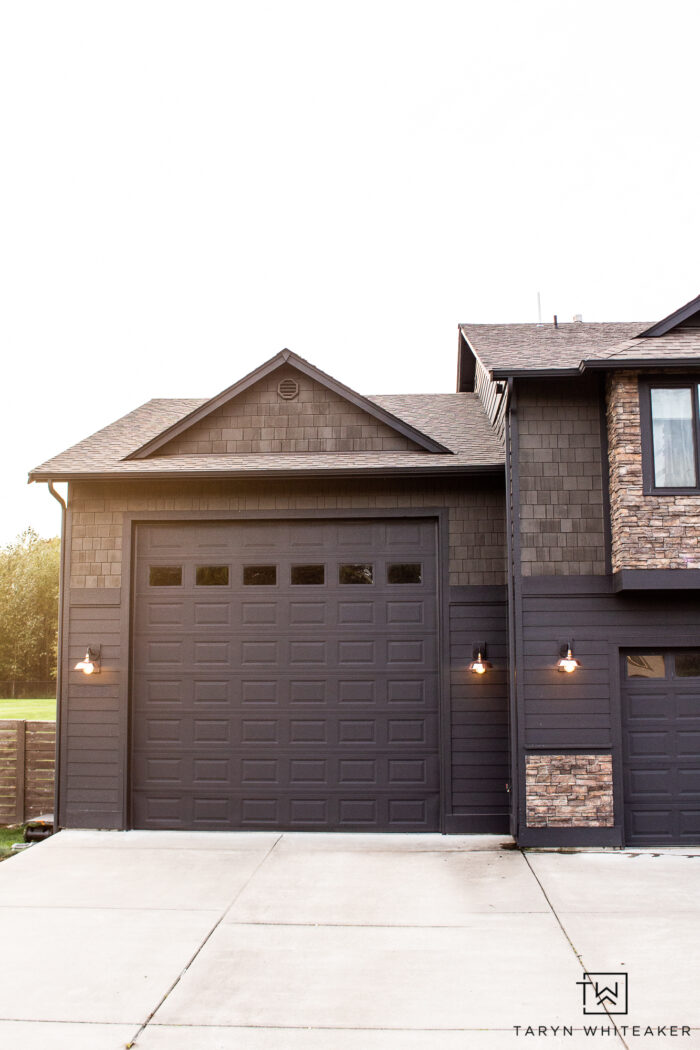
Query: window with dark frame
x=670 y=414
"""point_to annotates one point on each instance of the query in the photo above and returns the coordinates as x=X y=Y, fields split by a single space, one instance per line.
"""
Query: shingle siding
x=476 y=516
x=260 y=421
x=648 y=531
x=493 y=397
x=562 y=524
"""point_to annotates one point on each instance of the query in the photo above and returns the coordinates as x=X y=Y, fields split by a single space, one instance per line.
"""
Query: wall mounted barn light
x=567 y=661
x=479 y=664
x=90 y=663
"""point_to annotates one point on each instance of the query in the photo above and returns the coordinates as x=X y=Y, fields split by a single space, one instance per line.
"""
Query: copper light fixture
x=90 y=663
x=567 y=662
x=479 y=664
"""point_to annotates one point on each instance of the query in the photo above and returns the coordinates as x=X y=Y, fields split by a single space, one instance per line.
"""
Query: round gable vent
x=287 y=389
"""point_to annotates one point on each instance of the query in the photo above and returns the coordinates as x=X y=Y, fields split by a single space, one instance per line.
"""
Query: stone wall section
x=569 y=791
x=648 y=531
x=477 y=523
x=562 y=524
x=259 y=420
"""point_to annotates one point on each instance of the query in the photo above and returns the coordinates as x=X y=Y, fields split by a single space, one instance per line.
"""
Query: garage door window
x=404 y=573
x=259 y=575
x=646 y=665
x=688 y=665
x=212 y=576
x=308 y=575
x=165 y=575
x=356 y=574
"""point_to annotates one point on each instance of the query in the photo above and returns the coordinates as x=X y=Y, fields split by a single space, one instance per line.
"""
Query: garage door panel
x=298 y=704
x=661 y=753
x=649 y=785
x=688 y=705
x=688 y=779
x=687 y=742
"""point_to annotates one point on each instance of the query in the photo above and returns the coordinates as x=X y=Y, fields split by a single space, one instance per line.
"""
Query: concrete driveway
x=216 y=941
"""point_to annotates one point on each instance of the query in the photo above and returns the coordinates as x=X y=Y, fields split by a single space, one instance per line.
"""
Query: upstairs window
x=670 y=435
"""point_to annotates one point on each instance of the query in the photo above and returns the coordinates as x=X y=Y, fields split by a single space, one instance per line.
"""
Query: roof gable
x=253 y=417
x=687 y=316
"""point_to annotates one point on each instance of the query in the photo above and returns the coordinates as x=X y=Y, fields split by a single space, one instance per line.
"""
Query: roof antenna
x=556 y=323
x=539 y=309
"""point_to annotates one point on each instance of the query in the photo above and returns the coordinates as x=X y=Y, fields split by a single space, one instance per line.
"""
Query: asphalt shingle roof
x=457 y=421
x=534 y=347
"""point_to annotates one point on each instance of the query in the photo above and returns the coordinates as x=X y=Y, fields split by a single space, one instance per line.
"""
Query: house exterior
x=287 y=592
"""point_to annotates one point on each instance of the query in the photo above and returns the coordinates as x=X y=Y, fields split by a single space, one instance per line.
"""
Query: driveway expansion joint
x=571 y=943
x=204 y=941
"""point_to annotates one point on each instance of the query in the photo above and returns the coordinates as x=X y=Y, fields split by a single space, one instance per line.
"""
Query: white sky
x=187 y=188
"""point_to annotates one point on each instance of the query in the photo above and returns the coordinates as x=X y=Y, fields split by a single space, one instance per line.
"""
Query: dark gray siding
x=493 y=397
x=581 y=713
x=479 y=713
x=94 y=727
x=91 y=769
x=562 y=478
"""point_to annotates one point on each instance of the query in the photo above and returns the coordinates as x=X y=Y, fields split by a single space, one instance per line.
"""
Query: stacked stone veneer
x=562 y=525
x=476 y=514
x=569 y=791
x=648 y=532
x=259 y=420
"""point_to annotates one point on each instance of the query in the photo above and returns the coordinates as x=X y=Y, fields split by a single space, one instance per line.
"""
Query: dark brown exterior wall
x=579 y=715
x=562 y=528
x=94 y=721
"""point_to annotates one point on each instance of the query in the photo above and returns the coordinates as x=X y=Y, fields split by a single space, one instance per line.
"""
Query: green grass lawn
x=32 y=710
x=7 y=837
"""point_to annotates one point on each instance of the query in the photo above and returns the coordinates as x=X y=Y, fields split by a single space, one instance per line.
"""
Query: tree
x=29 y=574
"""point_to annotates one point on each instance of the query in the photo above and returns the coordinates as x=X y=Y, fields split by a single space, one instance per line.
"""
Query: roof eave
x=615 y=364
x=532 y=373
x=303 y=472
x=609 y=364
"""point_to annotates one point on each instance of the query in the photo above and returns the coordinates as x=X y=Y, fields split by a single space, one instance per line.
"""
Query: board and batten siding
x=94 y=718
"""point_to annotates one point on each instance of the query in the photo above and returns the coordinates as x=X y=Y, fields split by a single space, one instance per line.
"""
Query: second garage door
x=661 y=745
x=285 y=676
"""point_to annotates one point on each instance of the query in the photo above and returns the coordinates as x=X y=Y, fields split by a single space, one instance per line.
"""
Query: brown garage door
x=661 y=746
x=285 y=676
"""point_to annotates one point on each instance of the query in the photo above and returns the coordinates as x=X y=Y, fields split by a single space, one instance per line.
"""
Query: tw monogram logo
x=604 y=993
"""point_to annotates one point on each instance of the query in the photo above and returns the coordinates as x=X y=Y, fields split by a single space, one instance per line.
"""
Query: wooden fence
x=27 y=764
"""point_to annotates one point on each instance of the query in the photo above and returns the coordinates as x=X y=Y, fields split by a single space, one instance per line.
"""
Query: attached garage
x=282 y=588
x=661 y=747
x=285 y=674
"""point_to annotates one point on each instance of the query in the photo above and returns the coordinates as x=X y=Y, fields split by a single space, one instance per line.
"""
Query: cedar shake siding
x=261 y=421
x=476 y=516
x=562 y=530
x=648 y=531
x=493 y=397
